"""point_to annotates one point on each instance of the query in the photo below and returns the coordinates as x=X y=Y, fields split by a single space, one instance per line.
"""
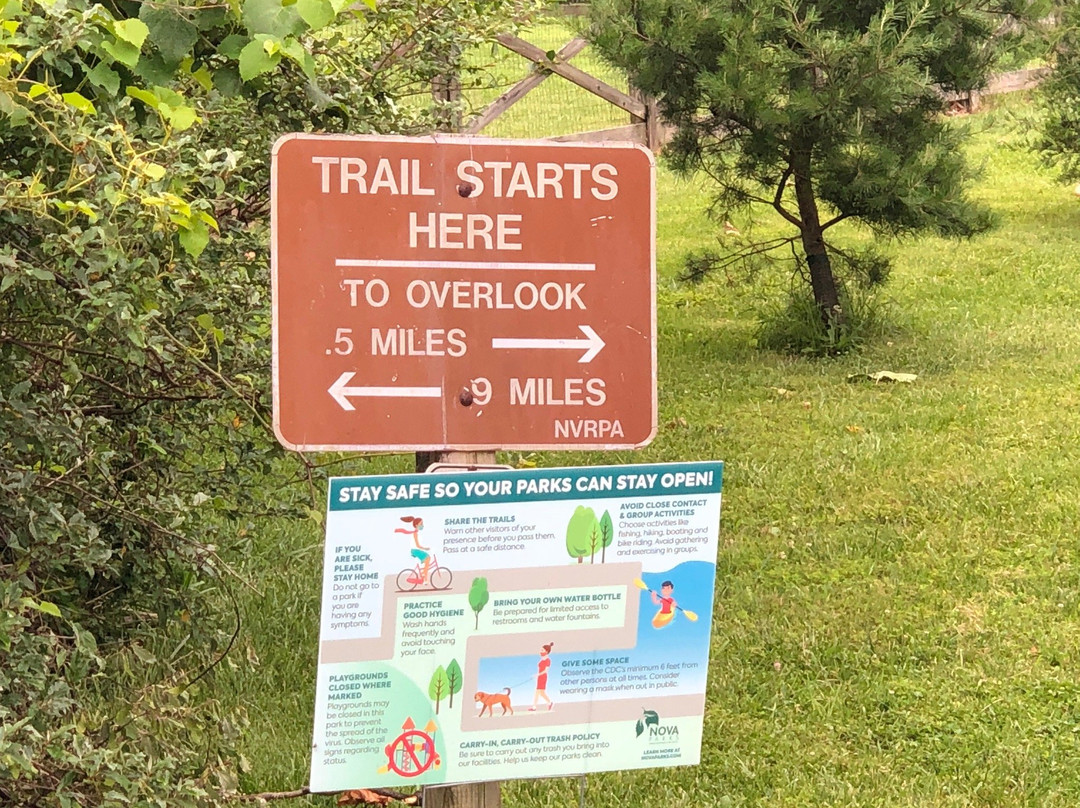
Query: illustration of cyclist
x=419 y=552
x=427 y=573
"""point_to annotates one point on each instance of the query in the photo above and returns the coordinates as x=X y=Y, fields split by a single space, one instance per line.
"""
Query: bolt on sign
x=462 y=293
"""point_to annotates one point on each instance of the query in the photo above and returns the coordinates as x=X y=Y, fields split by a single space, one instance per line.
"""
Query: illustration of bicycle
x=411 y=579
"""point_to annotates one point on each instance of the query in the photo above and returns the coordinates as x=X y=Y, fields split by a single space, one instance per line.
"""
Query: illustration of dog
x=489 y=700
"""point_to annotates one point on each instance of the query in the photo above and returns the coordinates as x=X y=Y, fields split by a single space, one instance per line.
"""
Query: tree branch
x=744 y=254
x=276 y=795
x=778 y=204
x=121 y=391
x=407 y=799
x=835 y=220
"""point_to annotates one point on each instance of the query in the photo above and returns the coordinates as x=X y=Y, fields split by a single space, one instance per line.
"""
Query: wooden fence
x=1003 y=83
x=644 y=125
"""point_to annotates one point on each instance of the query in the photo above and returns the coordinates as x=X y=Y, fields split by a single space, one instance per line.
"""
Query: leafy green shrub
x=135 y=444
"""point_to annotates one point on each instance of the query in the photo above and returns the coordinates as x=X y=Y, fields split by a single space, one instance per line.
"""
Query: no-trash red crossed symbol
x=404 y=752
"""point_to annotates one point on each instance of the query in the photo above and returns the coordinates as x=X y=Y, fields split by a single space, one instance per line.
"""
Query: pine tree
x=824 y=110
x=1059 y=95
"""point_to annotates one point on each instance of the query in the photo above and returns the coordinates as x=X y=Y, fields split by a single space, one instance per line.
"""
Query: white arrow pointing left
x=341 y=392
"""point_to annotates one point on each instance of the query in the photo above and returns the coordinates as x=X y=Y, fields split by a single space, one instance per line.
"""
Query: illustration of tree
x=454 y=678
x=478 y=597
x=439 y=687
x=607 y=535
x=594 y=540
x=580 y=541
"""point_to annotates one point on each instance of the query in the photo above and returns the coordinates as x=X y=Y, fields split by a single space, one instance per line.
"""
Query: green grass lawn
x=898 y=590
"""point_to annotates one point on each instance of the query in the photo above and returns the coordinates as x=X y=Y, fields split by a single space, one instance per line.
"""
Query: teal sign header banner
x=528 y=485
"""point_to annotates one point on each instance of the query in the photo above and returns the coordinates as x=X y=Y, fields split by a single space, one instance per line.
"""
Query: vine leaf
x=273 y=18
x=44 y=606
x=316 y=13
x=103 y=76
x=194 y=237
x=132 y=31
x=121 y=51
x=254 y=60
x=173 y=35
x=232 y=45
x=80 y=102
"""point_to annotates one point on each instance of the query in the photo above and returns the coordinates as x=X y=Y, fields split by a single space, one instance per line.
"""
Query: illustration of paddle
x=667 y=604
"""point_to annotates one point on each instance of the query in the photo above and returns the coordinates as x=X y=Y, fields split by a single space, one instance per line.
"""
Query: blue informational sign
x=501 y=624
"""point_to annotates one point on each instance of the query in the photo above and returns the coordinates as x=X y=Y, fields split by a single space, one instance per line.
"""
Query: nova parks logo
x=657 y=732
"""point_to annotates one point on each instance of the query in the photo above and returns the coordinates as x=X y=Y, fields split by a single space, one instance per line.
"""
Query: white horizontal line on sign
x=388 y=263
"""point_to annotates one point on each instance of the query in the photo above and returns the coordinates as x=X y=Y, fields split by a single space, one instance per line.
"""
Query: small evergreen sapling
x=823 y=111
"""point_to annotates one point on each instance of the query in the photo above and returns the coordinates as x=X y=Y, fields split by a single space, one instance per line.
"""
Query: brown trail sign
x=462 y=293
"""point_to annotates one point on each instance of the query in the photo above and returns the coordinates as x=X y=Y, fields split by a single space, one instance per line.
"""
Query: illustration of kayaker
x=666 y=603
x=542 y=677
x=419 y=552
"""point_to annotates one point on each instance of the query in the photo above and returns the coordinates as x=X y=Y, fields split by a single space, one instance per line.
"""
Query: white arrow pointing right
x=341 y=392
x=592 y=344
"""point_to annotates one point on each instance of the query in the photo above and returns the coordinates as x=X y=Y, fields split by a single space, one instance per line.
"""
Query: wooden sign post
x=468 y=795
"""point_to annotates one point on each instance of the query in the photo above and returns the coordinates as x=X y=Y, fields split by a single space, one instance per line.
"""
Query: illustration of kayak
x=663 y=618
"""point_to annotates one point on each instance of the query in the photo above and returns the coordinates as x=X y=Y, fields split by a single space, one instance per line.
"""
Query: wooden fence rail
x=522 y=88
x=645 y=125
x=1002 y=83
